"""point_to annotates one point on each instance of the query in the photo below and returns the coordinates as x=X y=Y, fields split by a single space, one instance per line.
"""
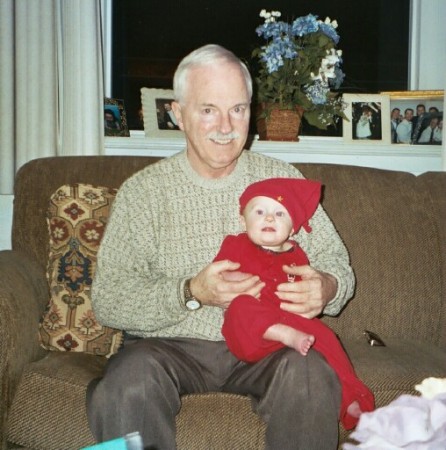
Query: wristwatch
x=191 y=303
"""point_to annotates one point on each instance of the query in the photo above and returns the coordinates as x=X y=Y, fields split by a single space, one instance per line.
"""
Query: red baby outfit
x=247 y=318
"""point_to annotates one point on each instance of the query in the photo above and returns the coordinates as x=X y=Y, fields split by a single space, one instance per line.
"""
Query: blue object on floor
x=130 y=441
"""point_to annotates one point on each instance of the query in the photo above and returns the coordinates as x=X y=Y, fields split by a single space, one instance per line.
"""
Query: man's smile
x=221 y=141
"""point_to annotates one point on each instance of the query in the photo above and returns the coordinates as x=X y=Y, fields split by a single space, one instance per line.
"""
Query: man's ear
x=176 y=108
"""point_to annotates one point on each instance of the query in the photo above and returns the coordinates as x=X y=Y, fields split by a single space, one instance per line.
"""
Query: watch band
x=191 y=303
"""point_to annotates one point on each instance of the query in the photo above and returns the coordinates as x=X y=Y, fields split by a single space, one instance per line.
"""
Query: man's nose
x=225 y=123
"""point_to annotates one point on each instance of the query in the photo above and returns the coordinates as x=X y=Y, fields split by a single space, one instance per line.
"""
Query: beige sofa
x=393 y=224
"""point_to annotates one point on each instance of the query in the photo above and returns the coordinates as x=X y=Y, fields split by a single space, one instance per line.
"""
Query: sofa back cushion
x=435 y=185
x=77 y=217
x=38 y=179
x=387 y=221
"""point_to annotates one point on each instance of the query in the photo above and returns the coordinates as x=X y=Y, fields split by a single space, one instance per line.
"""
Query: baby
x=272 y=211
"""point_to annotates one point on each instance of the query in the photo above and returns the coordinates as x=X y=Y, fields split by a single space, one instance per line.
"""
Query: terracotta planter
x=279 y=124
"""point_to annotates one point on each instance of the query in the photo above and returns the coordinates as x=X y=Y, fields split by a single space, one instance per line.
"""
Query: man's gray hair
x=207 y=55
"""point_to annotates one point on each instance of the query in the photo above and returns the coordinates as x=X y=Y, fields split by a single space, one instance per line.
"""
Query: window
x=150 y=38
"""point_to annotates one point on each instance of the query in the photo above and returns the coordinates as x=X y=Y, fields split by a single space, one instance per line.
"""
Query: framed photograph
x=159 y=119
x=367 y=119
x=416 y=117
x=115 y=119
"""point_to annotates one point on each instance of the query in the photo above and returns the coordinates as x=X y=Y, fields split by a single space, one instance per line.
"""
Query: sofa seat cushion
x=48 y=411
x=396 y=368
x=230 y=423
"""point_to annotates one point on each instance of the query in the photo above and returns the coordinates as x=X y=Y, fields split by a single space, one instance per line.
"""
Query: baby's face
x=267 y=222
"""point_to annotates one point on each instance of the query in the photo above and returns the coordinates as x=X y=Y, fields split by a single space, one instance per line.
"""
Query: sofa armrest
x=23 y=297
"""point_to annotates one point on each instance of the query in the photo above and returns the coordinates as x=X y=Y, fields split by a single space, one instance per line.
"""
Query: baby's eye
x=259 y=212
x=280 y=214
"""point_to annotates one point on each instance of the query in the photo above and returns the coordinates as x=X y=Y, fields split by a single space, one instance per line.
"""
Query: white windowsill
x=410 y=158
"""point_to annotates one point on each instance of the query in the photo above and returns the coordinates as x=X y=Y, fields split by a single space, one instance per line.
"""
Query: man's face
x=434 y=122
x=215 y=118
x=395 y=114
x=408 y=115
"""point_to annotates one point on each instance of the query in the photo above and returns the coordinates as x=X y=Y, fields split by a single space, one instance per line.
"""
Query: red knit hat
x=299 y=196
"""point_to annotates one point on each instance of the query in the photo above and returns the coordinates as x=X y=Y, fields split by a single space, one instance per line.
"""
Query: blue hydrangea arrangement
x=300 y=66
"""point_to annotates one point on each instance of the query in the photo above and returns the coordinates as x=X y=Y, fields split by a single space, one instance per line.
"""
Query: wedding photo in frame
x=367 y=119
x=416 y=117
x=115 y=118
x=159 y=120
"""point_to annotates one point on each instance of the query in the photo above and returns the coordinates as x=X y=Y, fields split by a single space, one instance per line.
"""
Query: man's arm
x=128 y=292
x=220 y=282
x=309 y=296
x=329 y=282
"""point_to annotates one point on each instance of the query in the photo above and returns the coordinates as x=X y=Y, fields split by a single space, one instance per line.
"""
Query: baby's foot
x=290 y=337
x=304 y=344
x=354 y=409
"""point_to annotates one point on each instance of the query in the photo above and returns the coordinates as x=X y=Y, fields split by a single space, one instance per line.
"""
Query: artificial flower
x=300 y=66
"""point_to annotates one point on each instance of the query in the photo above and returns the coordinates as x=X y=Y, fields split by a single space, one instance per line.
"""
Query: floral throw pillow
x=77 y=217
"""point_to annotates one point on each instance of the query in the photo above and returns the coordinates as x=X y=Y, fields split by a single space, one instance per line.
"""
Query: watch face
x=193 y=304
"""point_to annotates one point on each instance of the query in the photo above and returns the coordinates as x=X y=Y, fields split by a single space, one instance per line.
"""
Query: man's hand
x=308 y=296
x=220 y=282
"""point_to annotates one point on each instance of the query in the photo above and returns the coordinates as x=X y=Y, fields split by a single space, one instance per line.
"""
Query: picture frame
x=432 y=100
x=367 y=119
x=159 y=121
x=115 y=118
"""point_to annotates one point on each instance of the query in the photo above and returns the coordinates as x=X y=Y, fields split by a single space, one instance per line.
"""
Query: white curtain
x=51 y=82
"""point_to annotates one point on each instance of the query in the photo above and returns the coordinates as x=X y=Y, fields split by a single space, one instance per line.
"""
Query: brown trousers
x=297 y=396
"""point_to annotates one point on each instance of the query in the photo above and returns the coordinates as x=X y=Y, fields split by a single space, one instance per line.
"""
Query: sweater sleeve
x=128 y=293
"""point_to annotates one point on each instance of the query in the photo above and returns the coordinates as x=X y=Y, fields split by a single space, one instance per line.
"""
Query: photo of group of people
x=416 y=124
x=416 y=117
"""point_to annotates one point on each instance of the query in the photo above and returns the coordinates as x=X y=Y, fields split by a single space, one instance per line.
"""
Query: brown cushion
x=76 y=219
x=49 y=408
x=48 y=412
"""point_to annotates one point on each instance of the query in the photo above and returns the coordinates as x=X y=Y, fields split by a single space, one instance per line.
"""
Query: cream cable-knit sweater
x=167 y=224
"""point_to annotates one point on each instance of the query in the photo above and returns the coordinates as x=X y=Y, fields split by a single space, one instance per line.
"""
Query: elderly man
x=156 y=279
